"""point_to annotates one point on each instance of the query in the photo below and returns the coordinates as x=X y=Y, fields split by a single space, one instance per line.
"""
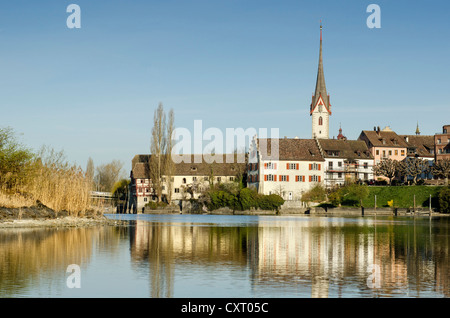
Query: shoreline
x=40 y=216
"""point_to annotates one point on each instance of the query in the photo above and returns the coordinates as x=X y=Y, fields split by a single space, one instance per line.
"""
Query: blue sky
x=92 y=91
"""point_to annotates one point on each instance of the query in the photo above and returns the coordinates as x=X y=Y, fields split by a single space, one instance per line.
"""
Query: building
x=346 y=161
x=384 y=144
x=442 y=144
x=189 y=178
x=288 y=171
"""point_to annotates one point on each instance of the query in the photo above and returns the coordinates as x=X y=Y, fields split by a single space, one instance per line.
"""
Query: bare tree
x=90 y=171
x=108 y=174
x=157 y=149
x=441 y=169
x=387 y=168
x=416 y=167
x=169 y=165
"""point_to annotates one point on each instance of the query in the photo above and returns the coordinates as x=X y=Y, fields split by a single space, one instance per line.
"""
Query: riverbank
x=39 y=215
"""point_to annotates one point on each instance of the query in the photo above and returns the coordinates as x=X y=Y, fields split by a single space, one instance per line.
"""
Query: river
x=209 y=256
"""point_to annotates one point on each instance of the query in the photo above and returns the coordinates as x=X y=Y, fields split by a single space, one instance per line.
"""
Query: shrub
x=444 y=200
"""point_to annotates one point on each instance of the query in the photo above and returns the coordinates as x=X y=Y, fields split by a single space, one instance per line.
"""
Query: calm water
x=232 y=256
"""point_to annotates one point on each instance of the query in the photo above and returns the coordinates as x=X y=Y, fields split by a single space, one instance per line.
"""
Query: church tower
x=320 y=109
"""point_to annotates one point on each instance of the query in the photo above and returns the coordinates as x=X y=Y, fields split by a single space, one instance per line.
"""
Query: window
x=145 y=199
x=231 y=178
x=390 y=152
x=377 y=152
x=384 y=153
x=163 y=187
x=314 y=178
x=177 y=190
x=194 y=179
x=205 y=178
x=402 y=152
x=330 y=164
x=340 y=164
x=292 y=166
x=366 y=165
x=339 y=175
x=439 y=141
x=314 y=166
x=320 y=121
x=270 y=165
x=270 y=177
x=396 y=152
x=219 y=179
x=299 y=178
x=184 y=180
x=284 y=178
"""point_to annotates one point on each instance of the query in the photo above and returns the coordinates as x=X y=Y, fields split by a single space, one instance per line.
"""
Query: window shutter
x=310 y=178
x=287 y=179
x=265 y=165
x=303 y=178
x=319 y=178
x=275 y=167
x=287 y=166
x=275 y=177
x=319 y=166
x=297 y=166
x=310 y=166
x=265 y=177
x=296 y=178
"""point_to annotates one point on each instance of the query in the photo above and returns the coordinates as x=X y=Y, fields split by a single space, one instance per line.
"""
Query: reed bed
x=54 y=182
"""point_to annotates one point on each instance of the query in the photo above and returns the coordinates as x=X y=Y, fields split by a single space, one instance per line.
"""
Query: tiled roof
x=291 y=149
x=422 y=144
x=140 y=166
x=347 y=149
x=384 y=139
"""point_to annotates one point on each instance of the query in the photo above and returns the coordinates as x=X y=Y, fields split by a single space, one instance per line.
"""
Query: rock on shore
x=40 y=215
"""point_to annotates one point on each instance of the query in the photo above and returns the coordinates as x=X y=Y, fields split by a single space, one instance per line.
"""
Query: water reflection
x=245 y=257
x=317 y=257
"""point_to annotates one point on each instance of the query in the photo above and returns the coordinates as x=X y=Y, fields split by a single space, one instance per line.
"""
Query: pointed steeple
x=321 y=89
x=417 y=129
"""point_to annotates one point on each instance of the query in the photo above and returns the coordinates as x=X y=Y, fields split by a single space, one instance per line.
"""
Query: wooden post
x=430 y=205
x=414 y=204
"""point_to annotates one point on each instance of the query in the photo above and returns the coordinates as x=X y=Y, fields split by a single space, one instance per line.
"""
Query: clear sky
x=92 y=91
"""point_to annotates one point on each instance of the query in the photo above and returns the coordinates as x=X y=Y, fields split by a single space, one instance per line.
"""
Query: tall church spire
x=320 y=108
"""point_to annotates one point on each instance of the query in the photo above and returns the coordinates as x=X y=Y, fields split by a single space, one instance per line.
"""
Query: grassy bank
x=402 y=196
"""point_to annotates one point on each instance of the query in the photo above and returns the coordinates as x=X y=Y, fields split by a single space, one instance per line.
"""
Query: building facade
x=384 y=144
x=188 y=180
x=442 y=144
x=346 y=161
x=297 y=166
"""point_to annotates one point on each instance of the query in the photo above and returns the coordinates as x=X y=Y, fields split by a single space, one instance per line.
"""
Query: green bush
x=444 y=200
x=155 y=205
x=244 y=200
